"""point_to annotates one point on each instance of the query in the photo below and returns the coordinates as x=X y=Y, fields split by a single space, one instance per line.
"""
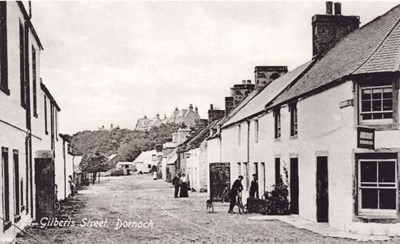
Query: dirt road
x=113 y=210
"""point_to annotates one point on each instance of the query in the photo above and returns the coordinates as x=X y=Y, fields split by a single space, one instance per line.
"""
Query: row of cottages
x=332 y=124
x=192 y=153
x=32 y=153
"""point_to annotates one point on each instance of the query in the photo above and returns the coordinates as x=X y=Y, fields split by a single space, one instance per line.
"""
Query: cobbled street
x=139 y=198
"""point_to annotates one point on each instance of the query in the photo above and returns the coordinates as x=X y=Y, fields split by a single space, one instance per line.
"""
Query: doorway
x=322 y=190
x=294 y=186
x=45 y=187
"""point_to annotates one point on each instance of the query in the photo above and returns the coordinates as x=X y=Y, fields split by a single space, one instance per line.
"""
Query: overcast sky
x=113 y=62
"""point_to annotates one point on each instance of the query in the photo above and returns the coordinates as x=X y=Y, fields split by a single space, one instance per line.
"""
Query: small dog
x=210 y=207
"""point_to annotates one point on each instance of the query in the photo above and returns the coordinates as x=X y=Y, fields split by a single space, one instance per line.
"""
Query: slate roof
x=369 y=49
x=256 y=103
x=197 y=138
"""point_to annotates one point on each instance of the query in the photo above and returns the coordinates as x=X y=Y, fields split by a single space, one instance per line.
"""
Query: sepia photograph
x=273 y=121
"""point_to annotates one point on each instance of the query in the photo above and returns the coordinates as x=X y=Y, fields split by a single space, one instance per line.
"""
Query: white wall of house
x=196 y=167
x=213 y=156
x=324 y=129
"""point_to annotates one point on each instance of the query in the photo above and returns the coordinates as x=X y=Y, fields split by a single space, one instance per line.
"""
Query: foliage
x=278 y=202
x=94 y=162
x=128 y=143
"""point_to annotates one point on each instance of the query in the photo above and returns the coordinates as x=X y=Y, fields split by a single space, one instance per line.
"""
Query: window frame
x=360 y=101
x=3 y=49
x=371 y=80
x=277 y=123
x=256 y=130
x=5 y=170
x=22 y=64
x=294 y=129
x=376 y=212
x=17 y=202
x=34 y=81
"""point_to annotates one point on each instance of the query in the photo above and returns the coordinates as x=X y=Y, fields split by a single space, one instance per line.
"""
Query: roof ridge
x=383 y=40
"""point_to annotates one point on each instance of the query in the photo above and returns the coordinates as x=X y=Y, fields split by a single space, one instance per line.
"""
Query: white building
x=333 y=124
x=31 y=149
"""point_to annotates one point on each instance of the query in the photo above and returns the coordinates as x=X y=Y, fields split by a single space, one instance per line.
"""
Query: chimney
x=329 y=29
x=214 y=114
x=145 y=117
x=190 y=107
x=264 y=75
x=165 y=116
x=338 y=9
x=229 y=104
x=244 y=82
x=248 y=81
x=329 y=8
x=157 y=116
x=196 y=109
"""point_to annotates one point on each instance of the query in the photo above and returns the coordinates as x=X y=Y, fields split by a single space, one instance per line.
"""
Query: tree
x=94 y=163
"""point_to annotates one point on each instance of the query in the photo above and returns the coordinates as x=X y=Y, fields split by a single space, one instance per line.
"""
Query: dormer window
x=377 y=103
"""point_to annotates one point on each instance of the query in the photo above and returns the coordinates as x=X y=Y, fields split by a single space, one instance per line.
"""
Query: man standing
x=71 y=185
x=254 y=187
x=175 y=182
x=236 y=188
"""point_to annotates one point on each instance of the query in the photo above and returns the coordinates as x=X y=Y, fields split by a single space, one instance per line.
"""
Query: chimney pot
x=329 y=8
x=248 y=81
x=338 y=9
x=211 y=106
x=244 y=82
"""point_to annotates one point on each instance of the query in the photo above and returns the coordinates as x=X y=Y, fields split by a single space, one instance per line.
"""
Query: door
x=294 y=186
x=45 y=187
x=219 y=179
x=322 y=190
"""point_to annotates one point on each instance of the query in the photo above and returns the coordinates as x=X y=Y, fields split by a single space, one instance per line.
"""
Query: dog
x=210 y=207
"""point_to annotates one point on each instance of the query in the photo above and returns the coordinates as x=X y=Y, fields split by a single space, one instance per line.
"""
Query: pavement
x=137 y=209
x=320 y=228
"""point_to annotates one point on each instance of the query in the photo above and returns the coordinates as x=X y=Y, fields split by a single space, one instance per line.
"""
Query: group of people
x=181 y=185
x=237 y=188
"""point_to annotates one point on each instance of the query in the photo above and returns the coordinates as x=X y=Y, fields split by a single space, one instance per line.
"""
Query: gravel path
x=139 y=200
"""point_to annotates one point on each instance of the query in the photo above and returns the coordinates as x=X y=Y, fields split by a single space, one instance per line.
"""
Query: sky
x=116 y=61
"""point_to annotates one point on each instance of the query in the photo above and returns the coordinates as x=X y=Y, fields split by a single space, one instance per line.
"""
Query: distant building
x=189 y=117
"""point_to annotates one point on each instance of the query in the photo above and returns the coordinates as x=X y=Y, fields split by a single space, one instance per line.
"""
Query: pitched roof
x=256 y=103
x=371 y=48
x=198 y=137
x=145 y=156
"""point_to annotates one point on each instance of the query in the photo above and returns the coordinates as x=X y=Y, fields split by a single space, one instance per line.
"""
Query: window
x=6 y=189
x=16 y=186
x=45 y=115
x=239 y=167
x=277 y=170
x=3 y=48
x=154 y=157
x=277 y=117
x=34 y=71
x=239 y=134
x=293 y=119
x=56 y=121
x=376 y=103
x=256 y=131
x=377 y=186
x=22 y=65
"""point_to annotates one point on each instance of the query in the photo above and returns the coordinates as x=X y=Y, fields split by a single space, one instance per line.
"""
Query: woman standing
x=184 y=186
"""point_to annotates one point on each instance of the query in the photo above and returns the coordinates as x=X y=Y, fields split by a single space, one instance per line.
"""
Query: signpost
x=366 y=138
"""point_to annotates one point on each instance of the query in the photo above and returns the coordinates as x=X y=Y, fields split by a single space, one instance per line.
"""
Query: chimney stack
x=329 y=29
x=329 y=8
x=248 y=81
x=338 y=9
x=211 y=107
x=244 y=82
x=191 y=107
